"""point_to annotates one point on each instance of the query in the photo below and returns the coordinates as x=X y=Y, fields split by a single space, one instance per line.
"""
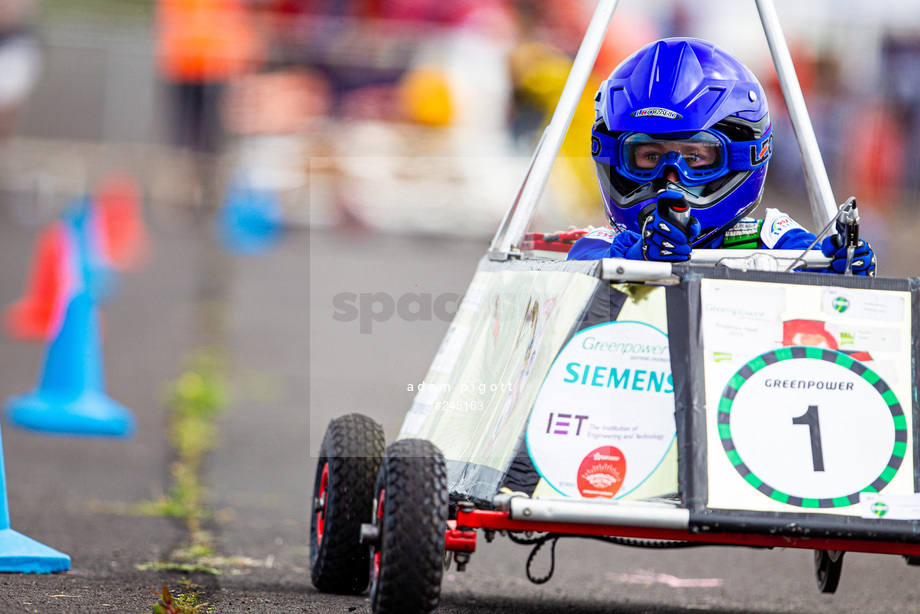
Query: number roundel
x=811 y=428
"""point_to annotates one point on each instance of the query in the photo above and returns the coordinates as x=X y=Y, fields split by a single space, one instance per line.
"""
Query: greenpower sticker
x=812 y=428
x=879 y=508
x=840 y=304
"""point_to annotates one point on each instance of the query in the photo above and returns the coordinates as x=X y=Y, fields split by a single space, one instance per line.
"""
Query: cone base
x=92 y=414
x=21 y=554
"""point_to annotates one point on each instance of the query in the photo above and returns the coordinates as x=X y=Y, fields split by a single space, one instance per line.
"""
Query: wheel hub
x=319 y=504
x=378 y=524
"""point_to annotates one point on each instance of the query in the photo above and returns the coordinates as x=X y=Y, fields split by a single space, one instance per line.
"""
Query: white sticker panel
x=734 y=319
x=890 y=507
x=855 y=338
x=882 y=306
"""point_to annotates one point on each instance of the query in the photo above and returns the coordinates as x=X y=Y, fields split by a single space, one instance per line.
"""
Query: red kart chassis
x=461 y=535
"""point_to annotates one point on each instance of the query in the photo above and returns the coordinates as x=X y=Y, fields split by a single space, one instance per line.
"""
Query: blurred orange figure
x=201 y=45
x=205 y=40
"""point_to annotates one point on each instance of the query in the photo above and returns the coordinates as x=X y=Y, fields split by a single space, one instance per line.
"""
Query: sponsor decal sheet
x=603 y=424
x=808 y=399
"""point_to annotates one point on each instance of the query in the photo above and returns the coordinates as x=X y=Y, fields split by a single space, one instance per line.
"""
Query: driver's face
x=696 y=155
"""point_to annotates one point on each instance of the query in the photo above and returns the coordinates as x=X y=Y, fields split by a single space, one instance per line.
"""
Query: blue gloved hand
x=863 y=256
x=664 y=240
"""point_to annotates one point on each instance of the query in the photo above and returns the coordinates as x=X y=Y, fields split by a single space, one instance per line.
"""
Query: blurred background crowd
x=414 y=116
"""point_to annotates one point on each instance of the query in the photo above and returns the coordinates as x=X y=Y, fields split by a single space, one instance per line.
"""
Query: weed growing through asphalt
x=195 y=400
x=182 y=603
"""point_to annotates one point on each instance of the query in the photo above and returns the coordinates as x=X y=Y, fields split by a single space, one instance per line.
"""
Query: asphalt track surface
x=295 y=366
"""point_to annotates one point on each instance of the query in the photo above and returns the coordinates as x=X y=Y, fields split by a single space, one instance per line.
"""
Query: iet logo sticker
x=565 y=424
x=840 y=304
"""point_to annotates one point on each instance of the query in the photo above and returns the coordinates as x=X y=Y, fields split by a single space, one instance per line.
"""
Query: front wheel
x=828 y=565
x=343 y=496
x=410 y=513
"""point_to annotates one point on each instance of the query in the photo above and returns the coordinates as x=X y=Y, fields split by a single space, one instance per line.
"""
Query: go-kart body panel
x=488 y=370
x=752 y=402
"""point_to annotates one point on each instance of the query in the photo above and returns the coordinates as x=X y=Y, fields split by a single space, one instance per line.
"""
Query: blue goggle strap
x=742 y=155
x=748 y=155
x=605 y=148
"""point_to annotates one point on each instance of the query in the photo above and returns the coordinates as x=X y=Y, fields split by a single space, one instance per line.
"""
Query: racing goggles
x=698 y=158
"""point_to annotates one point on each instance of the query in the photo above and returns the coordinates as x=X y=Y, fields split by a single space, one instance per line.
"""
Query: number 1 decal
x=755 y=411
x=810 y=418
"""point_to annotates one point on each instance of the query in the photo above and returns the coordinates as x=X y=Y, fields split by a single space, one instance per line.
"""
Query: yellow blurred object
x=539 y=72
x=577 y=183
x=426 y=98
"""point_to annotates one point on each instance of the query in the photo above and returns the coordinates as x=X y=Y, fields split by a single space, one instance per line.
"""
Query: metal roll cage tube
x=507 y=241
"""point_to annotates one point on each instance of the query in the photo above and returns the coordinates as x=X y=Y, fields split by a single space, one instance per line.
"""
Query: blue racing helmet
x=682 y=108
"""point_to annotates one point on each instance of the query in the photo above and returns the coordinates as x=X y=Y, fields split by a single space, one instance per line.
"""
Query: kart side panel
x=483 y=381
x=480 y=392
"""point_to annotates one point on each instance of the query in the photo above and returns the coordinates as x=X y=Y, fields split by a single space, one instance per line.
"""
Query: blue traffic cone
x=99 y=276
x=251 y=220
x=21 y=554
x=70 y=398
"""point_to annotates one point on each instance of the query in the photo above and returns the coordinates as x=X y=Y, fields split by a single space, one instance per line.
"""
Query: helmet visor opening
x=698 y=158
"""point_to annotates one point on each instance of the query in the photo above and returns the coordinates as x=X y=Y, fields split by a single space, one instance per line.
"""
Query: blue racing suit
x=776 y=231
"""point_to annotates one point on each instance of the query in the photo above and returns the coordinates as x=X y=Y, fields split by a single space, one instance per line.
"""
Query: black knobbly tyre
x=828 y=565
x=343 y=496
x=410 y=513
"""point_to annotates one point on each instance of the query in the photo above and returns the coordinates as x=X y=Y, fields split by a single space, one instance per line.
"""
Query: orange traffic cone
x=38 y=312
x=119 y=229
